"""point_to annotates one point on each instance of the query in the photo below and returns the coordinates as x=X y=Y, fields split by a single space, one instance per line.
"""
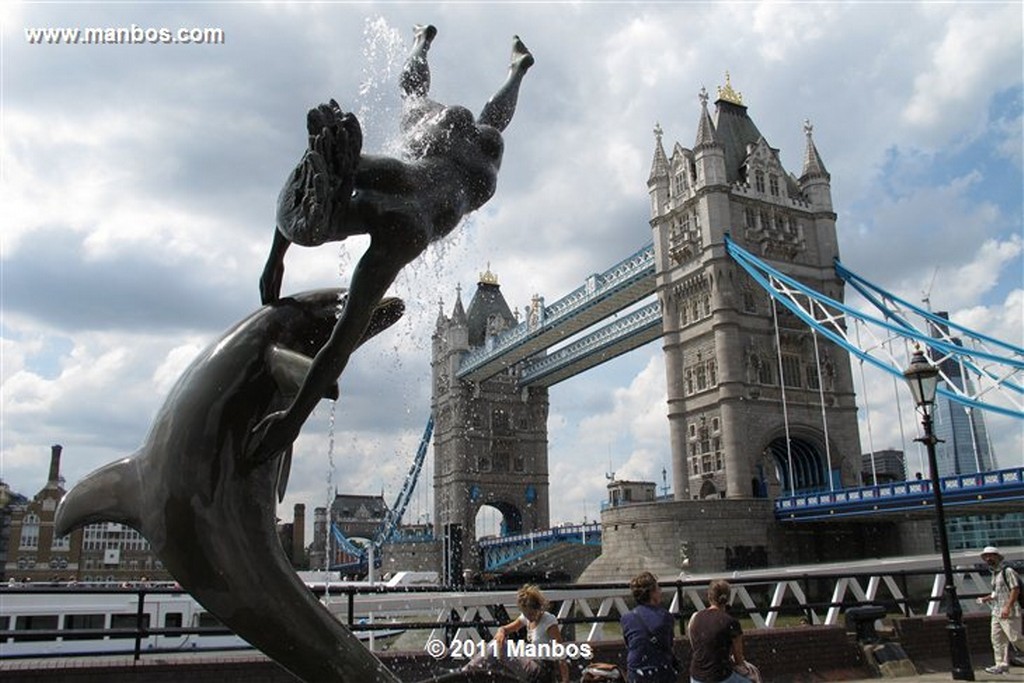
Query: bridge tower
x=490 y=437
x=758 y=405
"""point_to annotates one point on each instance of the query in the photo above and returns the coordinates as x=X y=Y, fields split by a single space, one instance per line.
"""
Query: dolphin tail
x=109 y=494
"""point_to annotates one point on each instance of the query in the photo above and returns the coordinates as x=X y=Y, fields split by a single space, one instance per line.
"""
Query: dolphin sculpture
x=209 y=512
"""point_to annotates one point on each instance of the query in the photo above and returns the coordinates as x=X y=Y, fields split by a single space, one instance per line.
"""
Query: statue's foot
x=522 y=58
x=423 y=35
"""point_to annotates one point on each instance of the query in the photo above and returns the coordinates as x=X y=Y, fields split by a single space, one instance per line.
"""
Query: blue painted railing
x=503 y=550
x=961 y=489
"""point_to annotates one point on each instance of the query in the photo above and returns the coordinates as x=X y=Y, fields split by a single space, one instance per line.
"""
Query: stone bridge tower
x=490 y=438
x=757 y=403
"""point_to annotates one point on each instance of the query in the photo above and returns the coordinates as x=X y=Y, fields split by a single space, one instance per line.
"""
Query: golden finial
x=726 y=93
x=487 y=277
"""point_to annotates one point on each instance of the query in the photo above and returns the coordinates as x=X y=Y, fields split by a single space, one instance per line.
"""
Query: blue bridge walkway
x=985 y=492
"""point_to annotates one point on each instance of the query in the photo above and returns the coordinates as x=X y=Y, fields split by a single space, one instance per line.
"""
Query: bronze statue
x=450 y=169
x=203 y=486
x=210 y=514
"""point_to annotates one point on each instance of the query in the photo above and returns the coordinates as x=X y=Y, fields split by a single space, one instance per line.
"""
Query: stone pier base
x=726 y=535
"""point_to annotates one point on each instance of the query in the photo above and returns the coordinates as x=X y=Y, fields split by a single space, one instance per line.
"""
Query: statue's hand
x=270 y=437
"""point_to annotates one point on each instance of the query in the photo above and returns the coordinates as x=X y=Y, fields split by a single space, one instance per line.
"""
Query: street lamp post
x=923 y=379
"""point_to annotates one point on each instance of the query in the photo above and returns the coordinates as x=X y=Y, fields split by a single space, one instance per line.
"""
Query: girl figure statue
x=449 y=168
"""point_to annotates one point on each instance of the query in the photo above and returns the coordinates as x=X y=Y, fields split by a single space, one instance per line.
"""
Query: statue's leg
x=389 y=251
x=499 y=109
x=415 y=78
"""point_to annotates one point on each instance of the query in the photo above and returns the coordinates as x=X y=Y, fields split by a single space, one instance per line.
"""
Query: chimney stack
x=54 y=477
x=299 y=534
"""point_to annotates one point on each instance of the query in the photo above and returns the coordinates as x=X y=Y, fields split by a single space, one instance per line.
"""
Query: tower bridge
x=743 y=285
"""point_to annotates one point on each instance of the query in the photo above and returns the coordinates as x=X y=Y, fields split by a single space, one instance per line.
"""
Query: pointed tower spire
x=705 y=127
x=815 y=181
x=708 y=152
x=813 y=165
x=458 y=312
x=440 y=312
x=657 y=183
x=659 y=165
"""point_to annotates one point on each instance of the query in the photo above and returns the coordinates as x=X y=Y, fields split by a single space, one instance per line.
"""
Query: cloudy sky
x=139 y=186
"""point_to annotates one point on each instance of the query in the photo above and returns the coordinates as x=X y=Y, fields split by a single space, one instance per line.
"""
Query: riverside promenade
x=793 y=655
x=256 y=669
x=1015 y=674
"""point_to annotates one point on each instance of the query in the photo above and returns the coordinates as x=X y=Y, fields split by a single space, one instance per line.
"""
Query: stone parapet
x=696 y=536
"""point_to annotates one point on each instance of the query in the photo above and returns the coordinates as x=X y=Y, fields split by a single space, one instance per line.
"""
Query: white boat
x=78 y=619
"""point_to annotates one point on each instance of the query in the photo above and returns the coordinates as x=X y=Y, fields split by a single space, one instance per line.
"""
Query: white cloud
x=974 y=46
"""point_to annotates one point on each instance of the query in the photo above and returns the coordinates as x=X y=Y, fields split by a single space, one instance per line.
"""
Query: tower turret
x=658 y=181
x=815 y=180
x=708 y=154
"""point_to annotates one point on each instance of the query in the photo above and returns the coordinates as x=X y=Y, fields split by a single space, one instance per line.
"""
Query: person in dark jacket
x=647 y=630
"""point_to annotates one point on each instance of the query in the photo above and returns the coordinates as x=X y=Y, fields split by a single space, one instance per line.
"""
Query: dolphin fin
x=284 y=468
x=109 y=494
x=289 y=369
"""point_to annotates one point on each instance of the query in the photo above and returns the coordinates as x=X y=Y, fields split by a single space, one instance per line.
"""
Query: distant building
x=883 y=467
x=9 y=500
x=293 y=538
x=359 y=516
x=355 y=517
x=106 y=551
x=622 y=492
x=963 y=446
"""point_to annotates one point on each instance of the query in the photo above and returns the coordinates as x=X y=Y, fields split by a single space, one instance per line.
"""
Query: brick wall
x=926 y=641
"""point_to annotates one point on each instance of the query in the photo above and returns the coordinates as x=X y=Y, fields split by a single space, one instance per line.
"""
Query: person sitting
x=541 y=629
x=716 y=640
x=647 y=630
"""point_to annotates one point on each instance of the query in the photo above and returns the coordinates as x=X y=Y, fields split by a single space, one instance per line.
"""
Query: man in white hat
x=1006 y=586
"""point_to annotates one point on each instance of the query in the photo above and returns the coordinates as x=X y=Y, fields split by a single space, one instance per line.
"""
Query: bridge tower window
x=791 y=370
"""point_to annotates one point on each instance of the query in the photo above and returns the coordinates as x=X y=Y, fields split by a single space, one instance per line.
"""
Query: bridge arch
x=511 y=519
x=801 y=467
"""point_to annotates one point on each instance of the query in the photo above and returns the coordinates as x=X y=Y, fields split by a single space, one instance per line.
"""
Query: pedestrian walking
x=1006 y=612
